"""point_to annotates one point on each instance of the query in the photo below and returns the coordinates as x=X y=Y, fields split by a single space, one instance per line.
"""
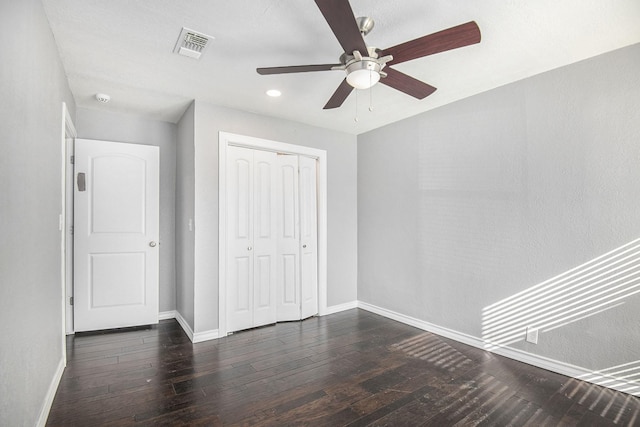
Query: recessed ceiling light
x=274 y=93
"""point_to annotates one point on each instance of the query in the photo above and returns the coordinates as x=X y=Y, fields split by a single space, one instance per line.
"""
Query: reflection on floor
x=352 y=368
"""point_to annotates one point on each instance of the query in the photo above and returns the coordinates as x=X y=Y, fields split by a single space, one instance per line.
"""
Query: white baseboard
x=421 y=324
x=196 y=337
x=185 y=326
x=51 y=394
x=213 y=334
x=620 y=384
x=164 y=315
x=205 y=336
x=340 y=307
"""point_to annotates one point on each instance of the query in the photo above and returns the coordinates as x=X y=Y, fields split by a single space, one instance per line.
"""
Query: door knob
x=249 y=248
x=304 y=246
x=152 y=244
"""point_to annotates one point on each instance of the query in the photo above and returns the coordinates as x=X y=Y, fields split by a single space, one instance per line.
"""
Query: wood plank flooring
x=353 y=368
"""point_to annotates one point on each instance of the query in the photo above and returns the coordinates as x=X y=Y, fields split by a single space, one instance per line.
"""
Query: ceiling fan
x=365 y=65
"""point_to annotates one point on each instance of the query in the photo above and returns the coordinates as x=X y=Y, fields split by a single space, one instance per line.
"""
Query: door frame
x=226 y=139
x=66 y=243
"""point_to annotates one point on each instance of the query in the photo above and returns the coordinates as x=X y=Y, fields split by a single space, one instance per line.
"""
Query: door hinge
x=71 y=229
x=70 y=300
x=72 y=160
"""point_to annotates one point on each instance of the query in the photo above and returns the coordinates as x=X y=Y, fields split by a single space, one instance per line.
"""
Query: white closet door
x=264 y=238
x=251 y=243
x=308 y=237
x=288 y=264
x=239 y=232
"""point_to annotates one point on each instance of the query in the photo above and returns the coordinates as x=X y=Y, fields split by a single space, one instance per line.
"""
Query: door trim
x=66 y=243
x=70 y=133
x=226 y=139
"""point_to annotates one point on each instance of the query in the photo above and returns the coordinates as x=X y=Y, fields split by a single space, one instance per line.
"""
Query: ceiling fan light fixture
x=363 y=74
x=364 y=64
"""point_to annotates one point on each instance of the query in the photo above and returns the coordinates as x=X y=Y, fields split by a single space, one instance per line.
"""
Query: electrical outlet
x=532 y=335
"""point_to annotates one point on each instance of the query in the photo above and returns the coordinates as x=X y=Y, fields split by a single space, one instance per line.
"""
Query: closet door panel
x=289 y=282
x=308 y=237
x=264 y=238
x=288 y=294
x=239 y=244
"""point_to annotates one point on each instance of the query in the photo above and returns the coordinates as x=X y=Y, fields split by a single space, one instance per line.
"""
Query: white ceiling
x=124 y=48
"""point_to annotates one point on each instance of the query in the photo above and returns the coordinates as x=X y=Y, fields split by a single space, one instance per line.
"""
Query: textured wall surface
x=33 y=87
x=516 y=207
x=106 y=126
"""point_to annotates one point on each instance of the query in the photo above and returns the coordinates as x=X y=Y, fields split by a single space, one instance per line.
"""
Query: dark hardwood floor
x=352 y=368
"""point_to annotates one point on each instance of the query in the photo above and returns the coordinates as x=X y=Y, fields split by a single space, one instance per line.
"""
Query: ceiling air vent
x=191 y=43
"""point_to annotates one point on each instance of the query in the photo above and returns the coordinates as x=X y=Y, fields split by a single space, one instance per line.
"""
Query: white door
x=308 y=237
x=288 y=213
x=297 y=238
x=116 y=230
x=251 y=242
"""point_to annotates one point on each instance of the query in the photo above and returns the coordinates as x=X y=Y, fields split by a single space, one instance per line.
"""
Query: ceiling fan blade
x=407 y=84
x=340 y=17
x=296 y=69
x=451 y=38
x=339 y=95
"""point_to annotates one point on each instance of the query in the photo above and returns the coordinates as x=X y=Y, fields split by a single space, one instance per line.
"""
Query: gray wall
x=107 y=126
x=341 y=203
x=185 y=201
x=469 y=214
x=33 y=87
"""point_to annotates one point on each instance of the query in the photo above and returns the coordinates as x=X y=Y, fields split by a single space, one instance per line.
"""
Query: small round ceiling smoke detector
x=103 y=97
